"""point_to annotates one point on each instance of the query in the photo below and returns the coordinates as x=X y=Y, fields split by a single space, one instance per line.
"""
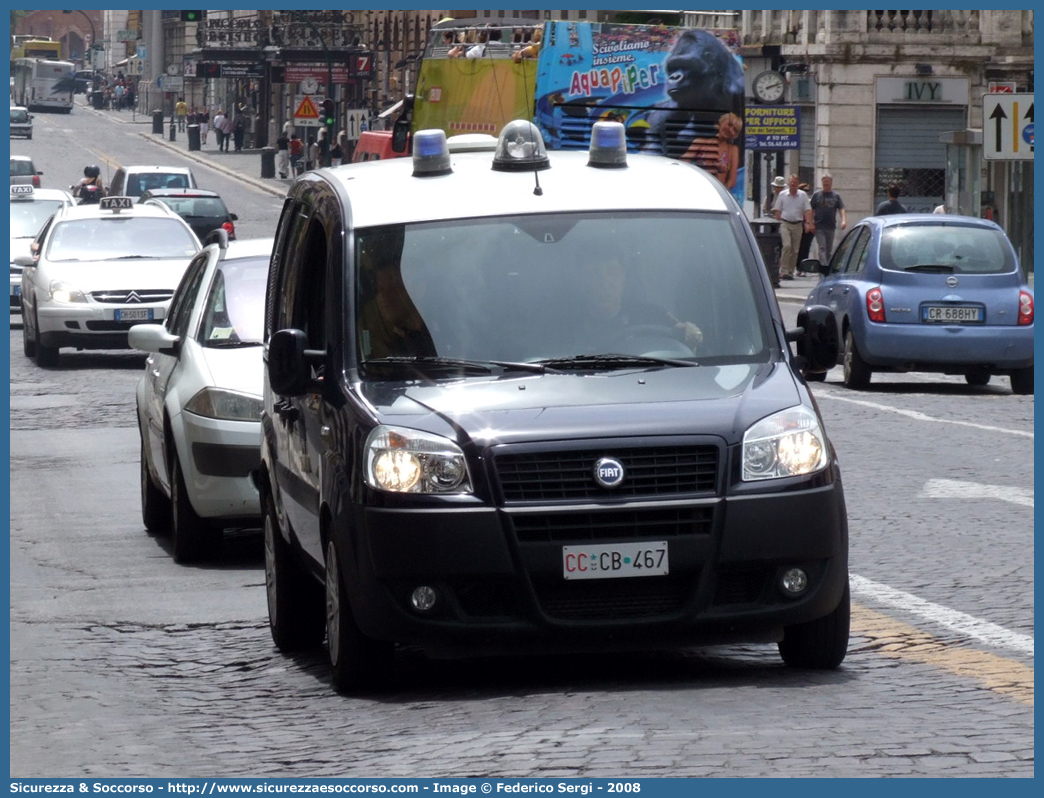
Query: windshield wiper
x=931 y=268
x=227 y=343
x=131 y=257
x=611 y=360
x=456 y=364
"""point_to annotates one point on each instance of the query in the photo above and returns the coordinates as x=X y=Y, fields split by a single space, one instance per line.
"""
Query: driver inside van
x=390 y=324
x=606 y=312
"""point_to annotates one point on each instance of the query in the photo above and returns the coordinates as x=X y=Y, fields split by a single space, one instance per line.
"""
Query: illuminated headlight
x=63 y=292
x=403 y=460
x=787 y=444
x=226 y=405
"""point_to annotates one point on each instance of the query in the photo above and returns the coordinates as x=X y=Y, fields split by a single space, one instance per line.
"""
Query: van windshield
x=546 y=287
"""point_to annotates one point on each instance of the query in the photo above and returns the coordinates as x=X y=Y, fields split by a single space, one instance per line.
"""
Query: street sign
x=355 y=120
x=1001 y=87
x=1007 y=127
x=306 y=111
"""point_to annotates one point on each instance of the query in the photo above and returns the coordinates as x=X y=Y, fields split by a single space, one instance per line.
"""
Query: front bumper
x=498 y=572
x=92 y=325
x=220 y=470
x=927 y=345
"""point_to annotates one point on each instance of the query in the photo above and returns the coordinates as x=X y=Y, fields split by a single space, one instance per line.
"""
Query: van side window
x=289 y=240
x=310 y=263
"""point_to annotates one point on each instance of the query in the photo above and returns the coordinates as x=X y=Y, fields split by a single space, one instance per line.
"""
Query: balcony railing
x=781 y=27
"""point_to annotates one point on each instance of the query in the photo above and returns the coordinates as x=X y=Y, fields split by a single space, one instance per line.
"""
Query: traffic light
x=329 y=113
x=193 y=16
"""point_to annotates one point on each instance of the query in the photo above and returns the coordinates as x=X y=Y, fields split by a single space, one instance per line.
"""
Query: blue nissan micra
x=929 y=292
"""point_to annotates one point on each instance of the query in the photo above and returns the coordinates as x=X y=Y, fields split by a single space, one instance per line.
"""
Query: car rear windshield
x=21 y=168
x=28 y=217
x=19 y=115
x=956 y=248
x=196 y=207
x=529 y=288
x=138 y=184
x=114 y=238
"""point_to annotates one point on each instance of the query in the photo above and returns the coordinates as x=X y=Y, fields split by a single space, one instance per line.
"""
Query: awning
x=390 y=110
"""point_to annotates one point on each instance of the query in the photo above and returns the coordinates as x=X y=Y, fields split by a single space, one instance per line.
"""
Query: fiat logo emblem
x=609 y=472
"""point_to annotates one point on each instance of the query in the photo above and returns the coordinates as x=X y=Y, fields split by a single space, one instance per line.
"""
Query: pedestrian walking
x=239 y=123
x=219 y=129
x=311 y=154
x=826 y=205
x=181 y=111
x=204 y=125
x=778 y=184
x=336 y=153
x=296 y=154
x=892 y=204
x=226 y=130
x=117 y=96
x=283 y=154
x=808 y=236
x=793 y=209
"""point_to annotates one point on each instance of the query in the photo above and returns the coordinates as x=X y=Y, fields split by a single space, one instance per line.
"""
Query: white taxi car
x=31 y=207
x=96 y=271
x=199 y=401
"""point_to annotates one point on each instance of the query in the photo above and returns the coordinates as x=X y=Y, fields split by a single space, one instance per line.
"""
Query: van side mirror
x=817 y=339
x=288 y=370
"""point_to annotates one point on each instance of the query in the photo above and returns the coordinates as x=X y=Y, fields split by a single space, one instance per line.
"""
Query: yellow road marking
x=898 y=640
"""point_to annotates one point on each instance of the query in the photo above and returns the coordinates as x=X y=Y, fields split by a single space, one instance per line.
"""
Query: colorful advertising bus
x=678 y=91
x=44 y=85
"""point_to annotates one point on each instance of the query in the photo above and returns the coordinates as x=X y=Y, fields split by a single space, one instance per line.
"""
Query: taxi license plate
x=143 y=314
x=615 y=561
x=948 y=314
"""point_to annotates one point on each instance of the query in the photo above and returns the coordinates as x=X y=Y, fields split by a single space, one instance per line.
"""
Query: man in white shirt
x=794 y=210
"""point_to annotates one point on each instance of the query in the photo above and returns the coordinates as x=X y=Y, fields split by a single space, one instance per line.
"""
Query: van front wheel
x=820 y=644
x=358 y=663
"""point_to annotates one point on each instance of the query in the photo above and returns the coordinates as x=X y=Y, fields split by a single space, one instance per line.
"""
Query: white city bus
x=42 y=84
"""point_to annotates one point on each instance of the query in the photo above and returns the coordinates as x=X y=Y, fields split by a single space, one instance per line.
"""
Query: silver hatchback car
x=21 y=122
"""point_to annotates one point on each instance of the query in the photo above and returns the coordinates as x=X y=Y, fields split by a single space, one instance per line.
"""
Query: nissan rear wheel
x=155 y=506
x=857 y=372
x=295 y=600
x=357 y=663
x=977 y=378
x=820 y=644
x=1022 y=381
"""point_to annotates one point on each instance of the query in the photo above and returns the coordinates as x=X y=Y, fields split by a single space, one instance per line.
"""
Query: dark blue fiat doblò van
x=518 y=401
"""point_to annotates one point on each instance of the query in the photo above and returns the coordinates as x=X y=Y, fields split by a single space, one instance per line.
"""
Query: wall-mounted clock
x=309 y=85
x=769 y=86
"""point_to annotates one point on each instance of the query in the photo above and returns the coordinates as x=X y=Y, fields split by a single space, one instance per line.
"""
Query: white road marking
x=959 y=489
x=922 y=416
x=960 y=622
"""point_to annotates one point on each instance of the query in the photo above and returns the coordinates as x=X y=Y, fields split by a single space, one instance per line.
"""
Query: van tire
x=357 y=663
x=820 y=644
x=295 y=599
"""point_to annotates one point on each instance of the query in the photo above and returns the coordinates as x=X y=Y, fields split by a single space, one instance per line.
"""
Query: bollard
x=193 y=137
x=157 y=122
x=173 y=130
x=268 y=155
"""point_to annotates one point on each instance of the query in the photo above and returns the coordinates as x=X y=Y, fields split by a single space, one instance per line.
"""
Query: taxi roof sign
x=23 y=191
x=115 y=204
